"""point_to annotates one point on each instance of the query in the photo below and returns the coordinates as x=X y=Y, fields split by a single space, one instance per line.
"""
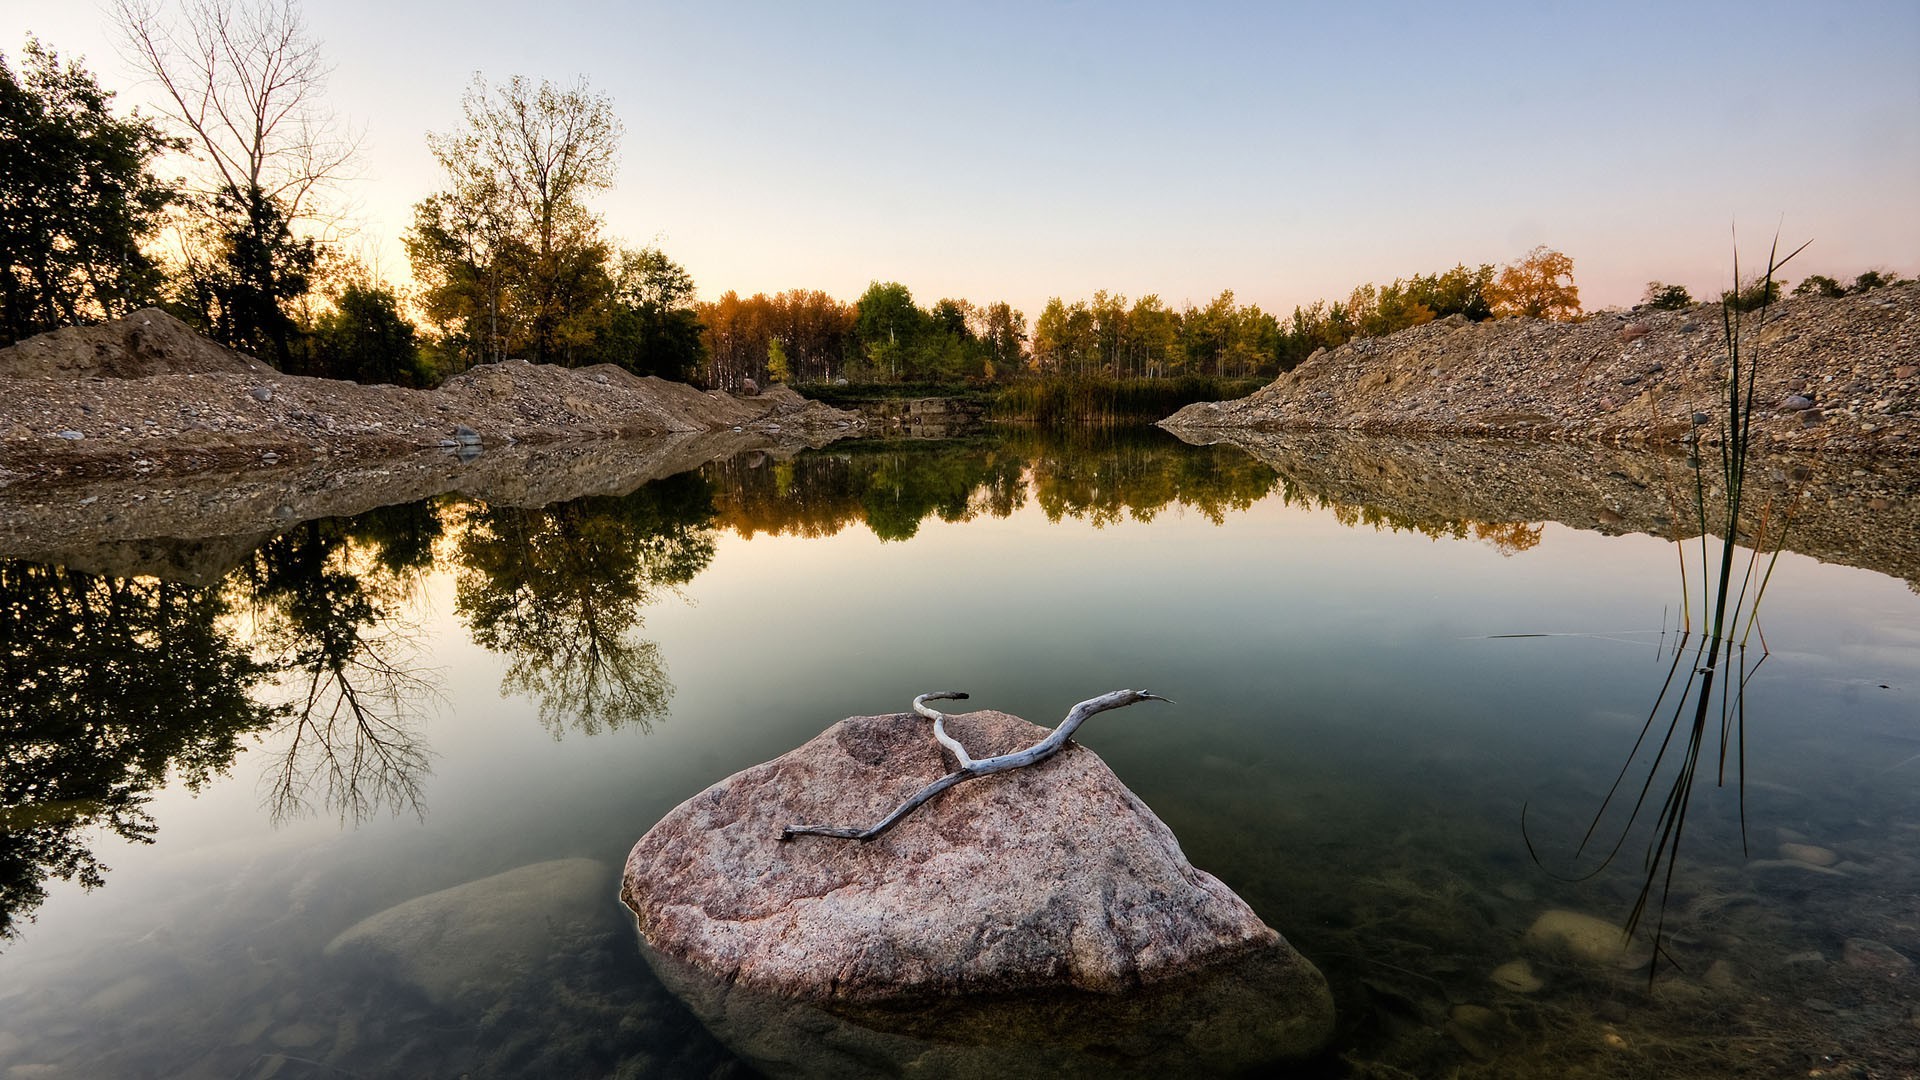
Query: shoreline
x=1834 y=376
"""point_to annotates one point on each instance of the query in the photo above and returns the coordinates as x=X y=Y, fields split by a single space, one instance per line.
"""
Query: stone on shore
x=1053 y=879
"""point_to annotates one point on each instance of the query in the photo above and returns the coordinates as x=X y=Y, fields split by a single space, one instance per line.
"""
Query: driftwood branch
x=971 y=767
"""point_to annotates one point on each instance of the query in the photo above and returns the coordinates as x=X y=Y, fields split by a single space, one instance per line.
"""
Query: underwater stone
x=480 y=936
x=1587 y=937
x=1048 y=878
x=1864 y=954
x=1517 y=976
x=1809 y=853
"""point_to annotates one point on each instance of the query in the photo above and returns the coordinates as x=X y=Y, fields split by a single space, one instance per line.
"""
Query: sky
x=1287 y=152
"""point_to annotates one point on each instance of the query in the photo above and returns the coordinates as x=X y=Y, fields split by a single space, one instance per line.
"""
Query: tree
x=1754 y=295
x=245 y=81
x=1819 y=285
x=78 y=199
x=652 y=328
x=365 y=338
x=1539 y=286
x=257 y=270
x=1004 y=332
x=888 y=325
x=777 y=369
x=512 y=257
x=1063 y=338
x=1662 y=297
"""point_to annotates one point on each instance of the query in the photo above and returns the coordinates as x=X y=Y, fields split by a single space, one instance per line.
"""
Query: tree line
x=249 y=243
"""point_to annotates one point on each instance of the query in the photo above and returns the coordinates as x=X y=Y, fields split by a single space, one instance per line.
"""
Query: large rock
x=483 y=935
x=1050 y=880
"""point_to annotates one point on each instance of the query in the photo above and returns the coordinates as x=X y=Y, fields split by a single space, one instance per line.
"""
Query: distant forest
x=249 y=246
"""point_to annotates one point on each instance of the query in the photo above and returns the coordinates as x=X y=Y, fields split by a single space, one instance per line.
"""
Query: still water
x=247 y=759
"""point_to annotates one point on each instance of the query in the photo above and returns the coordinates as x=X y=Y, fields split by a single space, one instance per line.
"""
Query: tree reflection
x=559 y=591
x=1101 y=476
x=327 y=598
x=108 y=687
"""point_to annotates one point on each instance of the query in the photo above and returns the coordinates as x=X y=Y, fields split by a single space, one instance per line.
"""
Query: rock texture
x=144 y=396
x=1040 y=922
x=1053 y=876
x=1835 y=374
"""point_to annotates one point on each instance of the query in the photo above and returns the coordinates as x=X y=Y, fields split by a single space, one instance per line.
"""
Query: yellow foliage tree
x=1539 y=286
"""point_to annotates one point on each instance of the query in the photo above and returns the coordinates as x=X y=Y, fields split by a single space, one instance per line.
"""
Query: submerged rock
x=1591 y=939
x=1050 y=880
x=482 y=935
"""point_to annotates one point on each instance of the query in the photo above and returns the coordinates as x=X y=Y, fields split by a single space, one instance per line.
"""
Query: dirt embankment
x=144 y=396
x=1833 y=374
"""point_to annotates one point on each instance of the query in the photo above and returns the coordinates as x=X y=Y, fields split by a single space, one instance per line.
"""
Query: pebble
x=1797 y=402
x=262 y=394
x=1517 y=976
x=1812 y=854
x=71 y=435
x=1865 y=954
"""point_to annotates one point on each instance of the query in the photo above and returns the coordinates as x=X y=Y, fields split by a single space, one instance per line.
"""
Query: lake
x=1386 y=657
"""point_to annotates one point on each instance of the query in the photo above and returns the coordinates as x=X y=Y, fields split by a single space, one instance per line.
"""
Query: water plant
x=1703 y=697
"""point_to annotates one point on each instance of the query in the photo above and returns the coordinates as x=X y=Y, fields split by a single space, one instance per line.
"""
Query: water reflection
x=329 y=602
x=892 y=487
x=559 y=591
x=109 y=689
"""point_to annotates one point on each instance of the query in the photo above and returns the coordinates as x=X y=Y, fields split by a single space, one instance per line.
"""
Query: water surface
x=246 y=760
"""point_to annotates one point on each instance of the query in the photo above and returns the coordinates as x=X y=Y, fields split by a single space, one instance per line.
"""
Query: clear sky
x=1288 y=152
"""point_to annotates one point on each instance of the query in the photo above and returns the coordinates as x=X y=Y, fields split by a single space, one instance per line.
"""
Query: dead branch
x=970 y=767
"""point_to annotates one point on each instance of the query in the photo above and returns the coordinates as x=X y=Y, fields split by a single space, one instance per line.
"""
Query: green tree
x=653 y=328
x=1663 y=297
x=1754 y=295
x=365 y=338
x=510 y=254
x=777 y=369
x=1819 y=285
x=1063 y=338
x=887 y=326
x=78 y=199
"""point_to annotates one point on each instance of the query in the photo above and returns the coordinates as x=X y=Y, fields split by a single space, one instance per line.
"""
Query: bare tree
x=246 y=82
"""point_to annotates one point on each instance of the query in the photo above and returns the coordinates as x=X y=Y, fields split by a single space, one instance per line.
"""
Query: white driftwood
x=971 y=767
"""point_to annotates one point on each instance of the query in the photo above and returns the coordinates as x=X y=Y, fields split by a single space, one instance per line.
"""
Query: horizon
x=1069 y=149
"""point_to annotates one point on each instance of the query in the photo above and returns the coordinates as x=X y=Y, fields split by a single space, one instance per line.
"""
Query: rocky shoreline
x=145 y=398
x=1835 y=375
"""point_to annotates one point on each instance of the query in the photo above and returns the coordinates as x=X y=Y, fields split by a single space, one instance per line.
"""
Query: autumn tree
x=512 y=259
x=78 y=199
x=1539 y=286
x=245 y=82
